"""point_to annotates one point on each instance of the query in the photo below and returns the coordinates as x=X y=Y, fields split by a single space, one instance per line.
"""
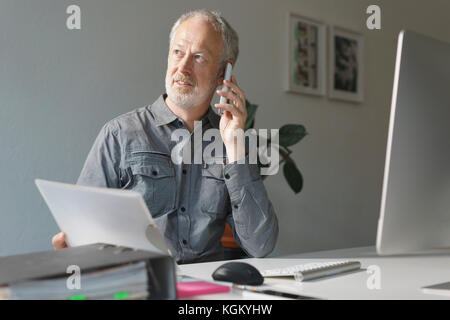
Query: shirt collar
x=163 y=115
x=161 y=111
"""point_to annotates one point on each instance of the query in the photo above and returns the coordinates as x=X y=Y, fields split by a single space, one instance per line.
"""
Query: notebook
x=195 y=288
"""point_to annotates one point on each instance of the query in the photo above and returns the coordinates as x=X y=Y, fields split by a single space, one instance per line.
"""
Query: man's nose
x=185 y=66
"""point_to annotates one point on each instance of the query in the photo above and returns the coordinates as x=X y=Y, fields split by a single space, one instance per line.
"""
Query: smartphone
x=227 y=77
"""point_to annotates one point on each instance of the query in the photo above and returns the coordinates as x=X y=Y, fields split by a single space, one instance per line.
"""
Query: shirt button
x=183 y=209
x=184 y=241
x=227 y=176
x=236 y=206
x=180 y=123
x=154 y=172
x=184 y=171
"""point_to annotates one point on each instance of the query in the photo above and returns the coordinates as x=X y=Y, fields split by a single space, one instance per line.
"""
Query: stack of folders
x=114 y=274
x=125 y=282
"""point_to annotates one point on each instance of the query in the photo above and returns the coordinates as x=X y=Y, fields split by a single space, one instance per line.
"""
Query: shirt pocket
x=215 y=199
x=154 y=177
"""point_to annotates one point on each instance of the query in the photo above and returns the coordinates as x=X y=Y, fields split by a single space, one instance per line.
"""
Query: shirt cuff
x=238 y=175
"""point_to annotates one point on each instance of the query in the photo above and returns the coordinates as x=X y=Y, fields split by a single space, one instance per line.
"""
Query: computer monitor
x=415 y=205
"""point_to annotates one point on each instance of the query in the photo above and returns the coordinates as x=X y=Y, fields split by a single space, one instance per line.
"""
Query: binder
x=161 y=279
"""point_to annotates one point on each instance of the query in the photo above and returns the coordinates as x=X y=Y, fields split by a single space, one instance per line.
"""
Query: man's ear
x=220 y=80
x=221 y=75
x=222 y=72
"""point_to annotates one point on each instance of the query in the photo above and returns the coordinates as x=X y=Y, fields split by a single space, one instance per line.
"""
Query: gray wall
x=58 y=87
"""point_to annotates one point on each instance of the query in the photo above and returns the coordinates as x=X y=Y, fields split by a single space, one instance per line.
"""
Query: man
x=190 y=203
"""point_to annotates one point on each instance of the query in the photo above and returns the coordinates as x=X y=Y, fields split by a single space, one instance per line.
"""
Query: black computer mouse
x=238 y=272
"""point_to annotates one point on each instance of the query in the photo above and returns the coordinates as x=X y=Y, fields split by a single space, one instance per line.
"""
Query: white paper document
x=100 y=215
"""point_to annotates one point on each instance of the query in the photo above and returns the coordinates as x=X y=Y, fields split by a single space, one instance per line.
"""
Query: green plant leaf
x=293 y=176
x=251 y=112
x=290 y=134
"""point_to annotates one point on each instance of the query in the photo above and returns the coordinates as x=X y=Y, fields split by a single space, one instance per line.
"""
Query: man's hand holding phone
x=233 y=118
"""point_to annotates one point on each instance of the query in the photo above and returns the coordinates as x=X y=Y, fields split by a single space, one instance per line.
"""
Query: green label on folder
x=78 y=297
x=121 y=295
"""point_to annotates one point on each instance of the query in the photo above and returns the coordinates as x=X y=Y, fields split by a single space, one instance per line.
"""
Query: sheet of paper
x=99 y=215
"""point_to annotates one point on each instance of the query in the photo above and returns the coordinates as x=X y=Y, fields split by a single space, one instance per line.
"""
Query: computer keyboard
x=313 y=270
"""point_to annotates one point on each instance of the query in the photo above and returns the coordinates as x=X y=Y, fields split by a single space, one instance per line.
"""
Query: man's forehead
x=199 y=34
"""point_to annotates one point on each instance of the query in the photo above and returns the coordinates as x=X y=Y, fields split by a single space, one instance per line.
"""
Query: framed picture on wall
x=346 y=72
x=307 y=55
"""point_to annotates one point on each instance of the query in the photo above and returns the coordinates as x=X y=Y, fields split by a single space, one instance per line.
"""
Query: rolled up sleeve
x=253 y=219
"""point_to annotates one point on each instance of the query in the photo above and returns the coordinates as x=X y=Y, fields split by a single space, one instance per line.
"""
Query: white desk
x=401 y=276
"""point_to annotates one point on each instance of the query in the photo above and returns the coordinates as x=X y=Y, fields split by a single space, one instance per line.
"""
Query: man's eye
x=198 y=57
x=177 y=52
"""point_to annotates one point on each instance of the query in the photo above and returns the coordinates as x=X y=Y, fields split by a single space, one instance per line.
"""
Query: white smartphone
x=227 y=77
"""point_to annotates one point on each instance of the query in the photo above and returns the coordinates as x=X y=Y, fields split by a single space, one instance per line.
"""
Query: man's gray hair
x=230 y=39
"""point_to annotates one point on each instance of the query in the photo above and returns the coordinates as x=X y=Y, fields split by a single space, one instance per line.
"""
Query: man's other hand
x=59 y=241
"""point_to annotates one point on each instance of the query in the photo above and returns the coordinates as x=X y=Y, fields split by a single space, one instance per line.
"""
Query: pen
x=271 y=292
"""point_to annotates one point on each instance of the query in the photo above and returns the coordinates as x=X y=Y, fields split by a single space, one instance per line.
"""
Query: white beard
x=187 y=97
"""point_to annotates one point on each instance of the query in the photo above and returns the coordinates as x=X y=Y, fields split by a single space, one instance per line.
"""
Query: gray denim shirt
x=190 y=203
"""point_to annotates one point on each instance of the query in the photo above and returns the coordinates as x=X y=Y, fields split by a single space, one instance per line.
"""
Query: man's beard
x=187 y=97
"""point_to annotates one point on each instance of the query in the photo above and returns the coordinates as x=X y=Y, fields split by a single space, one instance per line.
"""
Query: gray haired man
x=190 y=203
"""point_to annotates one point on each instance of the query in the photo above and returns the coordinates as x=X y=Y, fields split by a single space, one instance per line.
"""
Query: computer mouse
x=239 y=273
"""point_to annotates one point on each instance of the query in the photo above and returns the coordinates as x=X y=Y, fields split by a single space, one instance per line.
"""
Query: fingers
x=234 y=85
x=236 y=96
x=232 y=97
x=230 y=108
x=59 y=241
x=234 y=88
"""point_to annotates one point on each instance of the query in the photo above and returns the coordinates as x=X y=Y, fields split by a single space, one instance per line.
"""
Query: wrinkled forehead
x=199 y=35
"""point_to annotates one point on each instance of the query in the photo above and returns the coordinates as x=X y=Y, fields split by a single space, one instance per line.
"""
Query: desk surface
x=401 y=277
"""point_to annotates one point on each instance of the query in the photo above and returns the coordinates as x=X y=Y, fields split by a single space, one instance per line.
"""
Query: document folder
x=19 y=269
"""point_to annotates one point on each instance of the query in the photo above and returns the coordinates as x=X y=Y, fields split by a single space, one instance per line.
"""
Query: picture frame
x=306 y=68
x=346 y=65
